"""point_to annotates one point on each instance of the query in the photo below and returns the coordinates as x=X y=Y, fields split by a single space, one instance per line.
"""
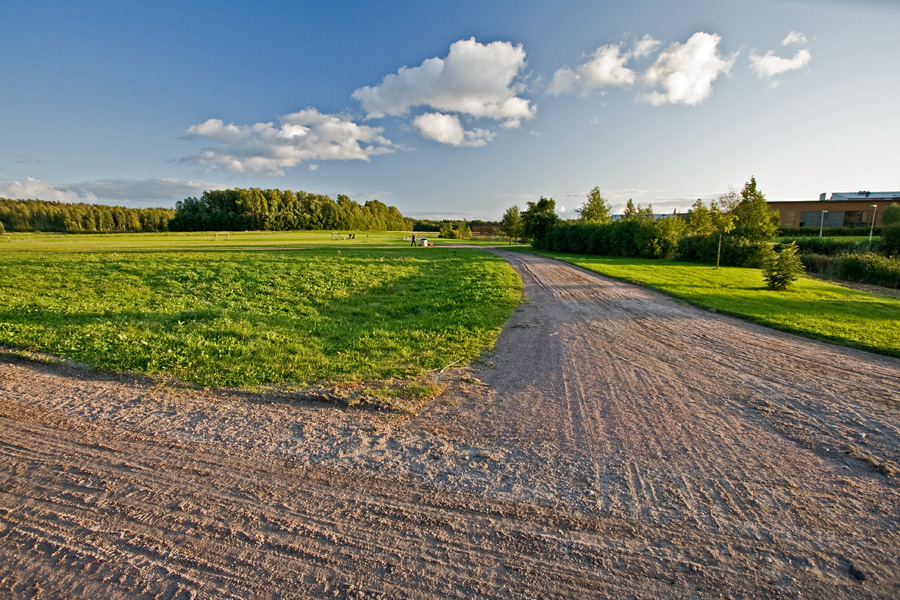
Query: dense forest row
x=227 y=210
x=41 y=215
x=256 y=209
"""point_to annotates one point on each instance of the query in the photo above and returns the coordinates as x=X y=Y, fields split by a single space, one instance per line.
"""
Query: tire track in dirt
x=114 y=517
x=615 y=443
x=671 y=401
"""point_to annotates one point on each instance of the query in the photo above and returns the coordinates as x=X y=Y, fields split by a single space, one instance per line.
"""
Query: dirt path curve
x=616 y=443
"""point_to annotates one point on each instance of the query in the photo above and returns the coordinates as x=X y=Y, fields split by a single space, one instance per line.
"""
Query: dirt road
x=616 y=443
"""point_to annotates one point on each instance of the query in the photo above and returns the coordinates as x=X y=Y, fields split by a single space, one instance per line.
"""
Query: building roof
x=864 y=195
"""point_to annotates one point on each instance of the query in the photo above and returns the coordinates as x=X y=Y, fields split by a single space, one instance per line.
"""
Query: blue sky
x=449 y=109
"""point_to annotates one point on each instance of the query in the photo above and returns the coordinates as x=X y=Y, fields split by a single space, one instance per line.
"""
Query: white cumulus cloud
x=477 y=80
x=686 y=72
x=605 y=68
x=298 y=137
x=448 y=129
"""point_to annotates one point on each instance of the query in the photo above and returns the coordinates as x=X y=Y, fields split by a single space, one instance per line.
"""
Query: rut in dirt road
x=650 y=409
x=615 y=443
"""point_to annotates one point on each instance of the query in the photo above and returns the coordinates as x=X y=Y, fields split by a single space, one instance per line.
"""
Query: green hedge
x=736 y=252
x=827 y=231
x=890 y=240
x=648 y=238
x=643 y=238
x=828 y=247
x=867 y=267
x=665 y=239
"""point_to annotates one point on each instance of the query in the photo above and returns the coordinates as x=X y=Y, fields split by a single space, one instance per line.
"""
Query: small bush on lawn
x=782 y=269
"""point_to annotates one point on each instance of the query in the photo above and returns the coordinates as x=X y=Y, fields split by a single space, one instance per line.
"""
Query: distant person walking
x=413 y=240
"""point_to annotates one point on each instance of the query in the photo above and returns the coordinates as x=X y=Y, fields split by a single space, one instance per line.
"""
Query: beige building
x=841 y=210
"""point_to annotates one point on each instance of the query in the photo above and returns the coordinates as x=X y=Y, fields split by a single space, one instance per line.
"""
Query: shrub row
x=736 y=251
x=828 y=231
x=642 y=238
x=828 y=247
x=646 y=238
x=867 y=267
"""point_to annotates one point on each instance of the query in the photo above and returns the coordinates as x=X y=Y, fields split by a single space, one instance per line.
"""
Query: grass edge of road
x=811 y=307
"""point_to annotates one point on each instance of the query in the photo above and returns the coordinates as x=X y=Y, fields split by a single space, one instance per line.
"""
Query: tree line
x=227 y=210
x=277 y=210
x=64 y=217
x=733 y=229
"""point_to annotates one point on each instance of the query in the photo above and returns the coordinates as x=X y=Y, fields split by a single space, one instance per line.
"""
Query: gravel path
x=615 y=443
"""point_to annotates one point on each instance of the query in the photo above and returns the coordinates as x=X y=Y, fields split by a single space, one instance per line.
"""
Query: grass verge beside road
x=251 y=319
x=811 y=307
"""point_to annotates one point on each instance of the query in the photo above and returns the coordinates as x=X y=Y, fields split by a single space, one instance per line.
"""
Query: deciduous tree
x=700 y=220
x=722 y=219
x=756 y=221
x=511 y=224
x=538 y=220
x=596 y=208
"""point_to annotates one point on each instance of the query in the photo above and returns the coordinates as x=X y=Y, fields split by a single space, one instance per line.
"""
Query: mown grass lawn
x=202 y=240
x=280 y=318
x=810 y=307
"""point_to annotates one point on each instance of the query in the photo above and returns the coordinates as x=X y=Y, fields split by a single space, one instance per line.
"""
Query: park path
x=615 y=443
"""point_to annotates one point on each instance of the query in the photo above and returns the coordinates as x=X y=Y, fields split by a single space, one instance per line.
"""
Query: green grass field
x=277 y=317
x=810 y=307
x=121 y=242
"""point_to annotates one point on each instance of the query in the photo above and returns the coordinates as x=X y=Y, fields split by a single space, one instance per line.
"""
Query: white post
x=872 y=228
x=822 y=223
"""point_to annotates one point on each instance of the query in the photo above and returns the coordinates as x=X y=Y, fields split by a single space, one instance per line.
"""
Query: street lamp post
x=872 y=228
x=822 y=223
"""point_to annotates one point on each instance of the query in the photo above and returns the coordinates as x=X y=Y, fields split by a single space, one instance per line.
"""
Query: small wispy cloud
x=769 y=65
x=605 y=68
x=125 y=192
x=794 y=37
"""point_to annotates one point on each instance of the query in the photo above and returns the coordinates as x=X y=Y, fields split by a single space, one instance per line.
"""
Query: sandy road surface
x=616 y=443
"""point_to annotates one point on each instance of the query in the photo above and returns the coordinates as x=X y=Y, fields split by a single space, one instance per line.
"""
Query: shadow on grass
x=432 y=311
